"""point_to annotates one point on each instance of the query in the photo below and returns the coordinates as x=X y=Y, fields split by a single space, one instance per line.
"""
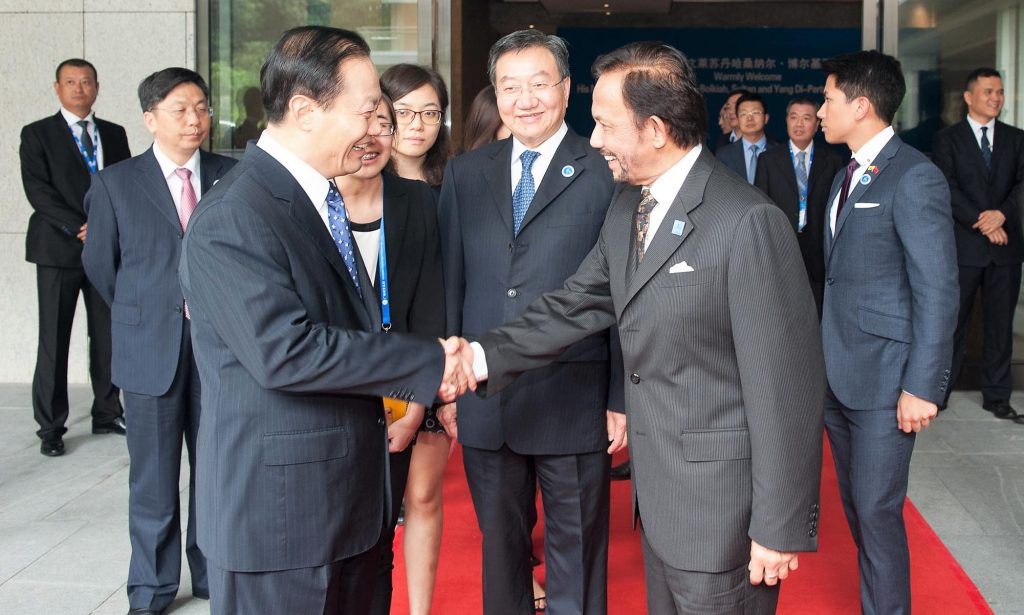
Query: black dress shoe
x=1001 y=410
x=144 y=612
x=116 y=426
x=202 y=594
x=52 y=448
x=622 y=471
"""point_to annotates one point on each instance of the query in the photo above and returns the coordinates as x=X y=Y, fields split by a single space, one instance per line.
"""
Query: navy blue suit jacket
x=732 y=155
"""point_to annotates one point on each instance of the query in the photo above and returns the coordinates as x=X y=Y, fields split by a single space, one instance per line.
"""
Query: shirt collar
x=870 y=150
x=546 y=148
x=976 y=126
x=667 y=186
x=310 y=180
x=168 y=166
x=796 y=150
x=760 y=143
x=73 y=119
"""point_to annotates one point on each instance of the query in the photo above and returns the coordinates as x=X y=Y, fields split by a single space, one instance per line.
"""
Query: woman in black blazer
x=405 y=208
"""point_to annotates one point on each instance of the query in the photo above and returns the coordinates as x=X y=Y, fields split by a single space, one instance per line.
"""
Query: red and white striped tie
x=188 y=205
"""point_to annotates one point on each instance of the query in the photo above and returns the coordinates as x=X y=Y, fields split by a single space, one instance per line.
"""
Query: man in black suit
x=292 y=473
x=137 y=215
x=59 y=155
x=517 y=218
x=798 y=179
x=983 y=160
x=742 y=155
x=729 y=108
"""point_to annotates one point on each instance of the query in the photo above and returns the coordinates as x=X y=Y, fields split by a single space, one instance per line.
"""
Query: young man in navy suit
x=888 y=315
x=138 y=212
x=59 y=156
x=983 y=160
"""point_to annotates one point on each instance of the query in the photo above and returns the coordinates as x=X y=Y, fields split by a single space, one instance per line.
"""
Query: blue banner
x=777 y=63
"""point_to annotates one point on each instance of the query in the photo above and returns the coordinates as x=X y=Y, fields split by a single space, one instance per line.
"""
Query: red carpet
x=826 y=582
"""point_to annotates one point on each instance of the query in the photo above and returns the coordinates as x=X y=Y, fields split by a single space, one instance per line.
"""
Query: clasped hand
x=458 y=369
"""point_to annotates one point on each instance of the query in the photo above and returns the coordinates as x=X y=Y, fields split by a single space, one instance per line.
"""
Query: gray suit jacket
x=131 y=256
x=292 y=461
x=726 y=380
x=891 y=284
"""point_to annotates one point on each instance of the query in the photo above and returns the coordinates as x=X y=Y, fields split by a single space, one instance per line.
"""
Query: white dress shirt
x=168 y=168
x=976 y=129
x=310 y=180
x=865 y=156
x=541 y=163
x=808 y=154
x=73 y=120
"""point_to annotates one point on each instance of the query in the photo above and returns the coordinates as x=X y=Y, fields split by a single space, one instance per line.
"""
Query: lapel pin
x=677 y=227
x=568 y=171
x=865 y=179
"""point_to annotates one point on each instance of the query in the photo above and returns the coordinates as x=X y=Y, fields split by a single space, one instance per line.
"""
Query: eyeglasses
x=387 y=129
x=431 y=117
x=180 y=112
x=754 y=113
x=512 y=92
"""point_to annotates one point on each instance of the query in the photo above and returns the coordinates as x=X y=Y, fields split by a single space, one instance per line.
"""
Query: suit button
x=812 y=532
x=830 y=281
x=512 y=293
x=177 y=309
x=181 y=234
x=634 y=378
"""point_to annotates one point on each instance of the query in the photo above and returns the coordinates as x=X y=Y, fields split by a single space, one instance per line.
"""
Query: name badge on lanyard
x=91 y=161
x=394 y=409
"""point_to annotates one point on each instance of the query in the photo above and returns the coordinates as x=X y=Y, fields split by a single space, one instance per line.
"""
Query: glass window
x=241 y=32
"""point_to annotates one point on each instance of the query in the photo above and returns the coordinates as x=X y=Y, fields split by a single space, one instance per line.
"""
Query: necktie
x=752 y=165
x=187 y=205
x=801 y=172
x=643 y=221
x=86 y=138
x=523 y=195
x=844 y=192
x=986 y=148
x=341 y=233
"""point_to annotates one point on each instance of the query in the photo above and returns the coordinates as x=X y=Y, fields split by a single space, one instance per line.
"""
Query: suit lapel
x=554 y=182
x=210 y=170
x=153 y=184
x=499 y=178
x=64 y=135
x=880 y=162
x=665 y=242
x=837 y=185
x=999 y=148
x=969 y=143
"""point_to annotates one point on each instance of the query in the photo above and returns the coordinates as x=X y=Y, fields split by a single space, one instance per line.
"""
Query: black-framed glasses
x=431 y=117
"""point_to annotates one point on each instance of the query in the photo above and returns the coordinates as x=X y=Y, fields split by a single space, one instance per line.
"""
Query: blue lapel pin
x=568 y=171
x=865 y=179
x=677 y=227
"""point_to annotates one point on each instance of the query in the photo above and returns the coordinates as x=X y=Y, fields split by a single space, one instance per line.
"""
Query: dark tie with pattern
x=844 y=192
x=643 y=221
x=86 y=138
x=986 y=148
x=338 y=220
x=525 y=189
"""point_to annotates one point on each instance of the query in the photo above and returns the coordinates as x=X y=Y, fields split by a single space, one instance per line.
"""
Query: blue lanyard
x=93 y=161
x=802 y=221
x=382 y=266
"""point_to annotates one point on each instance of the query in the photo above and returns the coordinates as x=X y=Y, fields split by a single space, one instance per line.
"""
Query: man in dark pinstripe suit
x=704 y=279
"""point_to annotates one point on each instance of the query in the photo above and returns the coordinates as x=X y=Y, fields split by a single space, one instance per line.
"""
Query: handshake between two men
x=458 y=374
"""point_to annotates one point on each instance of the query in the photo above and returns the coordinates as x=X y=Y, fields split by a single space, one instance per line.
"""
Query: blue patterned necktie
x=752 y=165
x=986 y=148
x=523 y=195
x=341 y=233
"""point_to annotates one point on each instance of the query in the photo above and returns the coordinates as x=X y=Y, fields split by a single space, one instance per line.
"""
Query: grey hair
x=524 y=39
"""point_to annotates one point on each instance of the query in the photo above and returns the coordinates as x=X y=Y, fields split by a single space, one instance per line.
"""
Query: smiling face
x=531 y=111
x=378 y=151
x=415 y=137
x=985 y=99
x=180 y=122
x=340 y=133
x=629 y=155
x=801 y=124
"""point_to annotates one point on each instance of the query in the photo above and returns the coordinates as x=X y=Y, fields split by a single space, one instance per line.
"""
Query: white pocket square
x=680 y=267
x=865 y=205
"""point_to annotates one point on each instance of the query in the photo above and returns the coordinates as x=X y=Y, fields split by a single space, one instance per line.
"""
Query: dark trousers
x=575 y=491
x=1000 y=287
x=685 y=592
x=156 y=428
x=340 y=588
x=872 y=460
x=399 y=463
x=58 y=289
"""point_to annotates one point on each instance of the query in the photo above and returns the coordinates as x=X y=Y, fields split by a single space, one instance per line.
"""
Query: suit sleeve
x=1011 y=206
x=781 y=368
x=552 y=323
x=237 y=276
x=37 y=178
x=101 y=254
x=943 y=155
x=921 y=215
x=450 y=230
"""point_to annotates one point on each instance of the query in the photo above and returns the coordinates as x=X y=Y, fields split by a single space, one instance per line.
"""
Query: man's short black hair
x=803 y=100
x=77 y=63
x=750 y=97
x=154 y=88
x=740 y=91
x=871 y=74
x=978 y=73
x=307 y=61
